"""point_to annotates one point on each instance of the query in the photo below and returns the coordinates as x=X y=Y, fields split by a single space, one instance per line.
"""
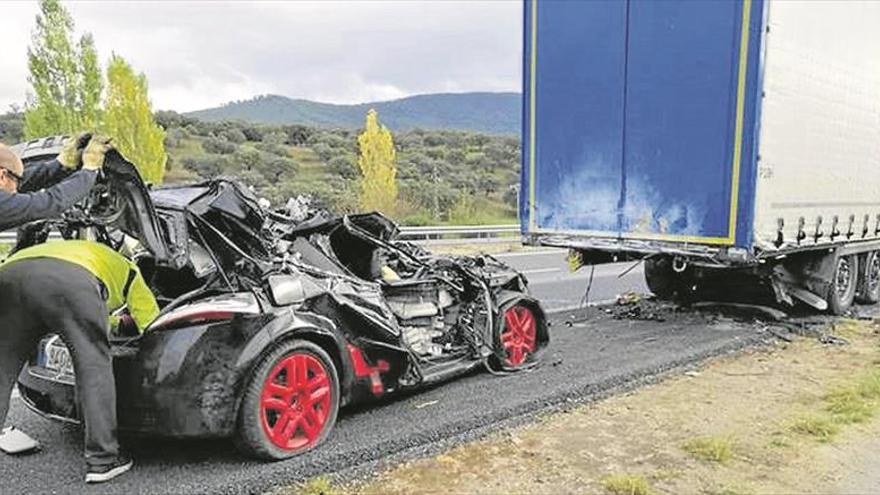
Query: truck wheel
x=869 y=278
x=843 y=284
x=290 y=404
x=660 y=278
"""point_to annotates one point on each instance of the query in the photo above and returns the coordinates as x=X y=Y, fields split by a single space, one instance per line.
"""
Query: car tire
x=517 y=340
x=869 y=278
x=844 y=278
x=280 y=418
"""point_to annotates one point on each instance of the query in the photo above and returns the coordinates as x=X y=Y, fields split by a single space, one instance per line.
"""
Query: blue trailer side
x=641 y=122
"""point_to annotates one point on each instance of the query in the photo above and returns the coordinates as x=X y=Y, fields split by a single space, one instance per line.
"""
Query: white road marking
x=540 y=270
x=531 y=253
x=15 y=393
x=563 y=309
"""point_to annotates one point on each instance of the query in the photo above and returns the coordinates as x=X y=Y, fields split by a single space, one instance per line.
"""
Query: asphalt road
x=558 y=289
x=586 y=360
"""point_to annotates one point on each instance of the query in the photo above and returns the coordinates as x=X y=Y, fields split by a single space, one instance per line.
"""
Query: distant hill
x=496 y=113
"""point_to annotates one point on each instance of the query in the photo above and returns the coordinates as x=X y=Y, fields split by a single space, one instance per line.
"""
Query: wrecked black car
x=272 y=321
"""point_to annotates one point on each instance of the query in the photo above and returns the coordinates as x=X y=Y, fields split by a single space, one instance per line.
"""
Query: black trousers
x=43 y=295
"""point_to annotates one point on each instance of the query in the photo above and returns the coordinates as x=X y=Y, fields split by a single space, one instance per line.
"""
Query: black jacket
x=45 y=191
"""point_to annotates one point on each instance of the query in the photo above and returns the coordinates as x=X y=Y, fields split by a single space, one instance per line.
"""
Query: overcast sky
x=198 y=54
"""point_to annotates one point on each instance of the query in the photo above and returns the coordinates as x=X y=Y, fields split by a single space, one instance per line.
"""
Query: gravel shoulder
x=794 y=417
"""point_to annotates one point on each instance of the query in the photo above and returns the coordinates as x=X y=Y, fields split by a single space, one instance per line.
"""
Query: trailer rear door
x=640 y=119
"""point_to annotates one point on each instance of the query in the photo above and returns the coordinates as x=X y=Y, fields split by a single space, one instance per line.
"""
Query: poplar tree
x=128 y=119
x=65 y=77
x=378 y=182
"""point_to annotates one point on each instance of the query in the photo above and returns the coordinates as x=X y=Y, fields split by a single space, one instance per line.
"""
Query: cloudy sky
x=198 y=54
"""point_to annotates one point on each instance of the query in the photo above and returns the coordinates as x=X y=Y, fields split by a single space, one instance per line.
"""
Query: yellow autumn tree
x=129 y=120
x=378 y=191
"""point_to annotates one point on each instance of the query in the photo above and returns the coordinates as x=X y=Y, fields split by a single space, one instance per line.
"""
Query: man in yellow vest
x=72 y=287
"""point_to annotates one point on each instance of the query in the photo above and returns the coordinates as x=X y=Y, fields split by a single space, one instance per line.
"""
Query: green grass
x=822 y=428
x=711 y=449
x=626 y=484
x=730 y=490
x=317 y=486
x=779 y=441
x=856 y=403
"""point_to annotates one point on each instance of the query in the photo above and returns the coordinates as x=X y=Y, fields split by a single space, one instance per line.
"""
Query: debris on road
x=742 y=311
x=628 y=298
x=642 y=310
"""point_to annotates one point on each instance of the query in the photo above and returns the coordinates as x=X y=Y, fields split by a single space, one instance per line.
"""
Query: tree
x=128 y=119
x=219 y=146
x=65 y=78
x=378 y=184
x=92 y=83
x=274 y=167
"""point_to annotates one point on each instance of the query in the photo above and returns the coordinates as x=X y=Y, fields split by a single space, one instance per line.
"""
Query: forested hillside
x=444 y=176
x=495 y=113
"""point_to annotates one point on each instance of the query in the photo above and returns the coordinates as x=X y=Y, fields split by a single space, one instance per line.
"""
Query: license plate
x=56 y=356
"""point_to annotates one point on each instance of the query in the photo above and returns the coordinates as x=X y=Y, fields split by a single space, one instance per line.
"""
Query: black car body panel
x=235 y=279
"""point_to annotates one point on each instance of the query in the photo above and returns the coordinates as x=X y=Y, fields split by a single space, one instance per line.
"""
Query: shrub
x=219 y=146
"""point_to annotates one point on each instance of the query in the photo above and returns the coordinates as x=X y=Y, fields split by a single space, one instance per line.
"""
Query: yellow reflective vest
x=122 y=278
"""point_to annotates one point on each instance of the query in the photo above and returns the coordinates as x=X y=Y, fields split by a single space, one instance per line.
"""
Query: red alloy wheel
x=295 y=402
x=519 y=335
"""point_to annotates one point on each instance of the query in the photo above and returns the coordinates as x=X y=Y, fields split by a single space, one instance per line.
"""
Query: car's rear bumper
x=151 y=411
x=53 y=399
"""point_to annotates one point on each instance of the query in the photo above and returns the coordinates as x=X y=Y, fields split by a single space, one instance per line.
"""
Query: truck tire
x=844 y=281
x=869 y=278
x=660 y=278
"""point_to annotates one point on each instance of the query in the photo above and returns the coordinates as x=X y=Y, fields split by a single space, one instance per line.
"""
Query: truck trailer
x=730 y=144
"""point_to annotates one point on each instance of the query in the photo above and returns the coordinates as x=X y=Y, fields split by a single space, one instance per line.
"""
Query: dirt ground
x=795 y=418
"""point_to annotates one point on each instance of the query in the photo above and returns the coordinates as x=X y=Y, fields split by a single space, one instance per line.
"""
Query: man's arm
x=18 y=209
x=39 y=176
x=141 y=302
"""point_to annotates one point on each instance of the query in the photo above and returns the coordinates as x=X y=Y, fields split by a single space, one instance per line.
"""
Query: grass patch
x=855 y=403
x=820 y=427
x=712 y=449
x=317 y=486
x=626 y=484
x=730 y=490
x=847 y=406
x=848 y=327
x=779 y=442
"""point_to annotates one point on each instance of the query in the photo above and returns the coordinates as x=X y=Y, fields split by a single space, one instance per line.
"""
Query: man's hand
x=71 y=155
x=93 y=156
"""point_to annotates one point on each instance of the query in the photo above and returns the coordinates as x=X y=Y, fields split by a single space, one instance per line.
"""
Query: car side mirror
x=286 y=290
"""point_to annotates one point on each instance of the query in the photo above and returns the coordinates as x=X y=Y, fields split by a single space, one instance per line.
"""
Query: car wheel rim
x=844 y=278
x=518 y=338
x=295 y=402
x=874 y=274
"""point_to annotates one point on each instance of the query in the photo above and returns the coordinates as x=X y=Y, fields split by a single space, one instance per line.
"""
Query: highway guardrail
x=428 y=234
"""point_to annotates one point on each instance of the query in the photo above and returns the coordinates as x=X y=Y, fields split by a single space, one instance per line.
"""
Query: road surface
x=558 y=288
x=591 y=355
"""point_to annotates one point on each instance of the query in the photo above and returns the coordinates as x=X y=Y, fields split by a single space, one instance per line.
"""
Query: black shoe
x=100 y=474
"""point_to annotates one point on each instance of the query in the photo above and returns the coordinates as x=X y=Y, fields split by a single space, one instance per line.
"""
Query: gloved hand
x=71 y=155
x=93 y=156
